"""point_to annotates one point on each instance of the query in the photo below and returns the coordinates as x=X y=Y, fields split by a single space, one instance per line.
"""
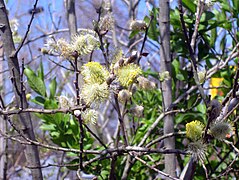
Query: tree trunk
x=71 y=16
x=3 y=125
x=165 y=65
x=31 y=151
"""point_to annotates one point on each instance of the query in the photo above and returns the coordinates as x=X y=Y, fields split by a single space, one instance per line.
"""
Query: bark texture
x=165 y=65
x=31 y=151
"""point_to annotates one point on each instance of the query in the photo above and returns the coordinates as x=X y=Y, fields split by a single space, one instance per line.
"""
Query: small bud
x=214 y=110
x=137 y=111
x=44 y=51
x=201 y=76
x=118 y=64
x=28 y=96
x=77 y=113
x=121 y=62
x=164 y=76
x=110 y=79
x=64 y=102
x=138 y=25
x=145 y=84
x=106 y=23
x=133 y=57
x=124 y=95
x=133 y=88
x=90 y=116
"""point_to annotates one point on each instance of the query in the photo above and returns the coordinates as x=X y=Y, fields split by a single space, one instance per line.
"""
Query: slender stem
x=96 y=137
x=120 y=117
x=79 y=117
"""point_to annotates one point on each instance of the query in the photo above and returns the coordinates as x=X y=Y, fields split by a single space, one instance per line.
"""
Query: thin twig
x=121 y=120
x=145 y=37
x=154 y=169
x=163 y=137
x=95 y=136
x=28 y=29
x=191 y=53
x=200 y=7
x=205 y=169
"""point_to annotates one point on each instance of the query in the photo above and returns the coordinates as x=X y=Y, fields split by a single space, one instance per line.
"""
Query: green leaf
x=207 y=16
x=40 y=72
x=202 y=108
x=55 y=134
x=39 y=100
x=76 y=162
x=153 y=31
x=192 y=100
x=189 y=5
x=53 y=86
x=133 y=33
x=180 y=77
x=47 y=127
x=213 y=37
x=236 y=6
x=35 y=82
x=176 y=66
x=225 y=6
x=223 y=43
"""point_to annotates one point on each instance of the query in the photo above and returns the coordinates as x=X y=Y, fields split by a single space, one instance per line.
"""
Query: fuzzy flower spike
x=128 y=74
x=95 y=88
x=220 y=130
x=93 y=72
x=194 y=130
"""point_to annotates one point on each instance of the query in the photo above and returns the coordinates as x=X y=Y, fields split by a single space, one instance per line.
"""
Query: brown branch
x=145 y=37
x=41 y=111
x=31 y=152
x=120 y=150
x=163 y=137
x=200 y=7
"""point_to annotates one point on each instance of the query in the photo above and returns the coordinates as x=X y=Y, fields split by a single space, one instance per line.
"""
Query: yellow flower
x=127 y=74
x=94 y=93
x=194 y=130
x=93 y=72
x=215 y=82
